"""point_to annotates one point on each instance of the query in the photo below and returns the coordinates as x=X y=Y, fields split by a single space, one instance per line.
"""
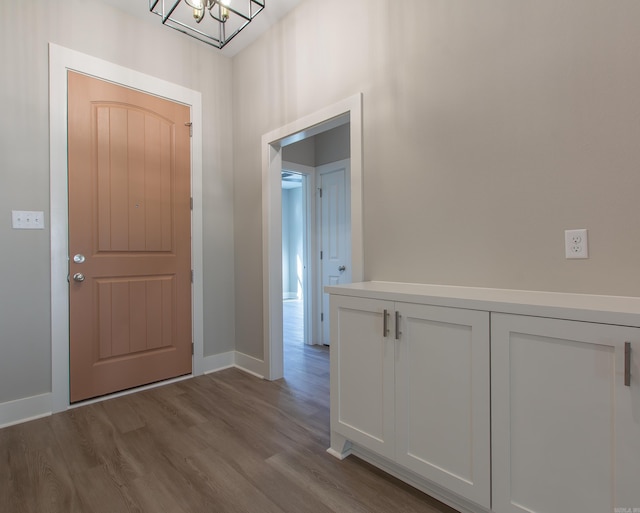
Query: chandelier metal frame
x=225 y=21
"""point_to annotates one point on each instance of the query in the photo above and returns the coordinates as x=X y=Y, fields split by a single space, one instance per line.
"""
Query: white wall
x=489 y=128
x=143 y=44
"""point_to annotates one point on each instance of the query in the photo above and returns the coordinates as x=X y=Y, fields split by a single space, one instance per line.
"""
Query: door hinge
x=322 y=317
x=191 y=203
x=320 y=191
x=192 y=348
x=190 y=125
x=191 y=275
x=320 y=255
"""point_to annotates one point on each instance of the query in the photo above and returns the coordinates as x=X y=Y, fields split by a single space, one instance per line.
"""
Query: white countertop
x=580 y=307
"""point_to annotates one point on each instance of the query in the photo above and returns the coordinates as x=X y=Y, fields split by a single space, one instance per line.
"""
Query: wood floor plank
x=229 y=486
x=169 y=471
x=100 y=493
x=153 y=495
x=79 y=451
x=256 y=470
x=33 y=477
x=327 y=488
x=15 y=481
x=123 y=414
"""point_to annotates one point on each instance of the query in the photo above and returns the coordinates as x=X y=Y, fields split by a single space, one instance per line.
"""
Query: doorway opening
x=282 y=146
x=294 y=260
x=316 y=243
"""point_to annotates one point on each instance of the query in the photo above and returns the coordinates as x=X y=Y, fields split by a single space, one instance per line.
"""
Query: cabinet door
x=565 y=428
x=442 y=398
x=362 y=373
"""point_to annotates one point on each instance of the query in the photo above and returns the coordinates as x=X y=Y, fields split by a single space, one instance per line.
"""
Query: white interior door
x=335 y=232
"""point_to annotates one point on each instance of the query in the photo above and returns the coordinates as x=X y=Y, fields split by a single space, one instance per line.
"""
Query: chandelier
x=215 y=22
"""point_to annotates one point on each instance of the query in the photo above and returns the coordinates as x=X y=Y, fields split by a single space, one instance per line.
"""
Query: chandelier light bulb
x=197 y=5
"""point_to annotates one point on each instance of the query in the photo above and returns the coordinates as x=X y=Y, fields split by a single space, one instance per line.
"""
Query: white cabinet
x=565 y=428
x=362 y=375
x=491 y=400
x=411 y=383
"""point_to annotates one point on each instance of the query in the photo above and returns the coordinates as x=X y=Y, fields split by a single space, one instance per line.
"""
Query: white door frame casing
x=272 y=144
x=60 y=61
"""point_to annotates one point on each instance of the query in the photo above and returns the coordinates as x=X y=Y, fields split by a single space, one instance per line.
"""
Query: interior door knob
x=78 y=277
x=342 y=268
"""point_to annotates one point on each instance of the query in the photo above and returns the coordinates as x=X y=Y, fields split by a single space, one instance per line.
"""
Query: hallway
x=292 y=322
x=300 y=359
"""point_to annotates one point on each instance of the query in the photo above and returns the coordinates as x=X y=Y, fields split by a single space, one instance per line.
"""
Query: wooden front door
x=129 y=238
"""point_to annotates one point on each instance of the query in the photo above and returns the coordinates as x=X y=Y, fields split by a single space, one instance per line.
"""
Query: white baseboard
x=250 y=364
x=217 y=362
x=23 y=410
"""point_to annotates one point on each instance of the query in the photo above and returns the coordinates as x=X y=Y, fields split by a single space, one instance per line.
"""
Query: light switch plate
x=27 y=220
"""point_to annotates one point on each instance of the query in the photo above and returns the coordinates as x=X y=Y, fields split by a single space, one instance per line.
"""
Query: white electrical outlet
x=27 y=220
x=575 y=244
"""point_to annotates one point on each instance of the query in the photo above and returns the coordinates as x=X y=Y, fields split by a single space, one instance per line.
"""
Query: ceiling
x=274 y=11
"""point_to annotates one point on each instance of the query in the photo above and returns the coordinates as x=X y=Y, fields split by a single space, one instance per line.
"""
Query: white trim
x=235 y=359
x=272 y=144
x=23 y=410
x=60 y=60
x=250 y=364
x=218 y=362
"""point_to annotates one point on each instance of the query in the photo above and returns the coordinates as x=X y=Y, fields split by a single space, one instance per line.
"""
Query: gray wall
x=301 y=152
x=324 y=148
x=489 y=128
x=332 y=145
x=142 y=44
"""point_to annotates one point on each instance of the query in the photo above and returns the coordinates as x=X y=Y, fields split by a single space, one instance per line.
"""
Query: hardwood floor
x=225 y=442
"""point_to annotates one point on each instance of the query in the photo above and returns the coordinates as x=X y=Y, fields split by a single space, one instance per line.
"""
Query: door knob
x=78 y=277
x=342 y=268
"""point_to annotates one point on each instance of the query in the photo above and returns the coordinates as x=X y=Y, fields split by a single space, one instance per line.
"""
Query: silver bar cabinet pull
x=385 y=322
x=398 y=332
x=627 y=364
